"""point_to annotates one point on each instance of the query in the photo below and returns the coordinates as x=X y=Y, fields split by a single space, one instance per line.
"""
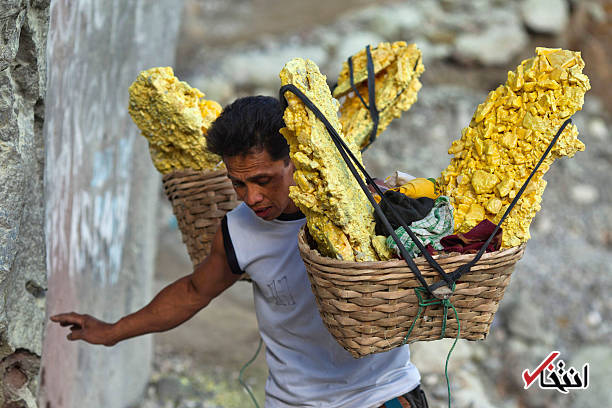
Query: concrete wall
x=23 y=31
x=100 y=191
x=90 y=229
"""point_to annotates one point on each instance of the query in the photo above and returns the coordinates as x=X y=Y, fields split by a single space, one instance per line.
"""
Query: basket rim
x=179 y=173
x=363 y=267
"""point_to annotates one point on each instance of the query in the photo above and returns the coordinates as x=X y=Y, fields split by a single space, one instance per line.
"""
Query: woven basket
x=369 y=306
x=199 y=200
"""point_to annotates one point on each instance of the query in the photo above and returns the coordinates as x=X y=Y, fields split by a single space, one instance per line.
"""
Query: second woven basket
x=199 y=201
x=369 y=307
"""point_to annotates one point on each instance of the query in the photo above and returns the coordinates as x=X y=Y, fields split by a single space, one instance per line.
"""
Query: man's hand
x=86 y=327
x=175 y=304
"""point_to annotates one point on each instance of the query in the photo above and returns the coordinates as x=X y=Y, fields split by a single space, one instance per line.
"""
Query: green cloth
x=430 y=230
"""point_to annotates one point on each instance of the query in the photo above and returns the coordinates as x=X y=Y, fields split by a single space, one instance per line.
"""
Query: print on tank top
x=279 y=290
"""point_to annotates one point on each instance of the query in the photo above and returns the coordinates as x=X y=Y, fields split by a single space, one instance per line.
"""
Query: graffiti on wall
x=95 y=50
x=99 y=218
x=90 y=149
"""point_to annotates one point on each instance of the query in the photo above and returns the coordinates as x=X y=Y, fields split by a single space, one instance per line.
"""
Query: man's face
x=262 y=183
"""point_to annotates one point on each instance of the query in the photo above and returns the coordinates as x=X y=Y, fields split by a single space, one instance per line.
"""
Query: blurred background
x=558 y=298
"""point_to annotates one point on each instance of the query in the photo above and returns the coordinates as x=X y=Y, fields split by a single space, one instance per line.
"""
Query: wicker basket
x=369 y=306
x=199 y=200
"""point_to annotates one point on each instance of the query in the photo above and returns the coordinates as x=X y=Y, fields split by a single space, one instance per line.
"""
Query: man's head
x=246 y=135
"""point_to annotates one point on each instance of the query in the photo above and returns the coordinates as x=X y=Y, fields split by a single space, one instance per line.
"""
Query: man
x=307 y=367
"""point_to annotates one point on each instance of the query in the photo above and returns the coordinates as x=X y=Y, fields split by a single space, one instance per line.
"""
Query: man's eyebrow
x=252 y=178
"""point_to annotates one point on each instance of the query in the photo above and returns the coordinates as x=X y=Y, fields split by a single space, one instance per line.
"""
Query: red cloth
x=474 y=239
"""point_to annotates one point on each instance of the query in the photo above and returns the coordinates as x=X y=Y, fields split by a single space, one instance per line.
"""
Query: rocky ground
x=558 y=298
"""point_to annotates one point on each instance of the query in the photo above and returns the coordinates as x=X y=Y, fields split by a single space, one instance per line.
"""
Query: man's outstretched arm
x=172 y=306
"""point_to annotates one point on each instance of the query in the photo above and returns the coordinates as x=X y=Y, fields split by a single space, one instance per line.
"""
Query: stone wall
x=84 y=239
x=23 y=27
x=101 y=191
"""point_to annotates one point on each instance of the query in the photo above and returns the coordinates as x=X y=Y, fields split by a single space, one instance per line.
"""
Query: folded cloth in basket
x=409 y=209
x=474 y=239
x=437 y=224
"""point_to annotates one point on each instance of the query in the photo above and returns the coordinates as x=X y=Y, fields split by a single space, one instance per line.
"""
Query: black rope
x=351 y=161
x=466 y=267
x=416 y=64
x=372 y=96
x=352 y=80
x=371 y=107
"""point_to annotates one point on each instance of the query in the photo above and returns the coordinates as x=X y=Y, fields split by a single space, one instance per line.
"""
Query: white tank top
x=307 y=367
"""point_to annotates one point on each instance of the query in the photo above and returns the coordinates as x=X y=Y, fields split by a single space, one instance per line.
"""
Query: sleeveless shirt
x=307 y=367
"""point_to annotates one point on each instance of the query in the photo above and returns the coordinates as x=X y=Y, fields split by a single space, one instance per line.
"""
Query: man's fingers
x=73 y=326
x=58 y=317
x=82 y=326
x=68 y=318
x=75 y=335
x=65 y=317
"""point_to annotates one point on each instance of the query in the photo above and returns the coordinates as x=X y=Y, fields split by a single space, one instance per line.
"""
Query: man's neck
x=286 y=216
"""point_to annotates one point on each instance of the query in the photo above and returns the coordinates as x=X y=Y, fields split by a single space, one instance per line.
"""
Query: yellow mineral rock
x=506 y=138
x=174 y=118
x=397 y=67
x=338 y=214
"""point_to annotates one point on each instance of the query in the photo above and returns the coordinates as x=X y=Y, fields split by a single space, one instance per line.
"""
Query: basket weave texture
x=369 y=306
x=199 y=200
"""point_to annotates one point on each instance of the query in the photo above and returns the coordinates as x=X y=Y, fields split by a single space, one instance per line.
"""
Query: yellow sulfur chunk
x=506 y=138
x=474 y=215
x=174 y=118
x=339 y=217
x=493 y=205
x=398 y=67
x=383 y=56
x=483 y=182
x=504 y=187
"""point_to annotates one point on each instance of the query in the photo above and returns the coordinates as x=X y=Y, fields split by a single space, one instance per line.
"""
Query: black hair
x=249 y=123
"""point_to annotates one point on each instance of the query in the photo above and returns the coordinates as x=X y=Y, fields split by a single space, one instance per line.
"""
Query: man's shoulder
x=241 y=219
x=241 y=212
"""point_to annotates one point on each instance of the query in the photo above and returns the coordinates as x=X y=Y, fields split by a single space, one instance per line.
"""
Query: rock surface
x=545 y=16
x=496 y=45
x=23 y=279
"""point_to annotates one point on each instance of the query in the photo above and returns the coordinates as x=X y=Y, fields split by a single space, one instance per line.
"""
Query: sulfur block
x=174 y=118
x=397 y=66
x=506 y=137
x=339 y=216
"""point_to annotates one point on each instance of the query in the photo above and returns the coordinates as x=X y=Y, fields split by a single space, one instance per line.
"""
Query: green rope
x=244 y=367
x=423 y=303
x=450 y=351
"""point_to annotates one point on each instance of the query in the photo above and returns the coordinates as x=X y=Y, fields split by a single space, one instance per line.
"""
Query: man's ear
x=288 y=162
